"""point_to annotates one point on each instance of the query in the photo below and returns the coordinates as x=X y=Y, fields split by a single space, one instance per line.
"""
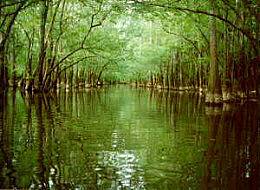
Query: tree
x=9 y=13
x=214 y=93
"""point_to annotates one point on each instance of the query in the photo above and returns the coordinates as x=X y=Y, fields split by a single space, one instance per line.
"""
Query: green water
x=127 y=138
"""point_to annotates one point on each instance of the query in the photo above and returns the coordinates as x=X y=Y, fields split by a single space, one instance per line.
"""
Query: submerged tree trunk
x=214 y=92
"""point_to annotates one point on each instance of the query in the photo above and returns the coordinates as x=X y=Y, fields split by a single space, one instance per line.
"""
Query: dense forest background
x=211 y=46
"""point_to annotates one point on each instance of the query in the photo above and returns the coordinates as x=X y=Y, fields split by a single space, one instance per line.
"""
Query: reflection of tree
x=41 y=168
x=6 y=142
x=214 y=114
x=29 y=126
x=51 y=153
x=90 y=145
x=62 y=161
x=179 y=106
x=175 y=159
x=232 y=158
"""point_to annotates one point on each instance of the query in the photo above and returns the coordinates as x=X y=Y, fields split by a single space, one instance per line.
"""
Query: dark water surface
x=126 y=138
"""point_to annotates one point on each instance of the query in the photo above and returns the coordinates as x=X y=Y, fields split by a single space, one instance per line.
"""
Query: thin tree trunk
x=42 y=54
x=3 y=71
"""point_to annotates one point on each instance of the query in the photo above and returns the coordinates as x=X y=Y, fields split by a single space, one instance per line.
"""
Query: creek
x=121 y=137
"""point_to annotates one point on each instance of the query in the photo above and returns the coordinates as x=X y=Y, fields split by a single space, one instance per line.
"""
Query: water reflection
x=119 y=170
x=7 y=159
x=122 y=138
x=232 y=157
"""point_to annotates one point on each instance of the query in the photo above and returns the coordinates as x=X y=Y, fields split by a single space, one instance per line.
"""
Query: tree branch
x=185 y=38
x=244 y=31
x=92 y=25
x=74 y=63
x=11 y=4
x=10 y=25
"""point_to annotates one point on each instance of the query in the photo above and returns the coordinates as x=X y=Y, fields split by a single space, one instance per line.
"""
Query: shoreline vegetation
x=234 y=97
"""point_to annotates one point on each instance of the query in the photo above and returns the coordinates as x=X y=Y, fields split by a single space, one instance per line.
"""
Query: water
x=126 y=138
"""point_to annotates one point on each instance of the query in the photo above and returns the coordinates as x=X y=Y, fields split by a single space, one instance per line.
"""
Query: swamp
x=130 y=94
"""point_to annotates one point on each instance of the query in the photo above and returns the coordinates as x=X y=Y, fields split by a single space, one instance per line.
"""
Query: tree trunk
x=13 y=58
x=42 y=54
x=6 y=30
x=214 y=92
x=3 y=71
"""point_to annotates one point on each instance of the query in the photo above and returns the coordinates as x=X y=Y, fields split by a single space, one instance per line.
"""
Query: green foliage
x=129 y=40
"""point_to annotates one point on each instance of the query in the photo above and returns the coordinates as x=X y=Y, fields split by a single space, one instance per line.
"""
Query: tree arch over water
x=213 y=45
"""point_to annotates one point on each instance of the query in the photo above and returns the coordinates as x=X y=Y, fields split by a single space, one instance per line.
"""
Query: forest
x=208 y=46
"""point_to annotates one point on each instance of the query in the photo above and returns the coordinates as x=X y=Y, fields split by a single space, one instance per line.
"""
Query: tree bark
x=42 y=54
x=3 y=71
x=214 y=92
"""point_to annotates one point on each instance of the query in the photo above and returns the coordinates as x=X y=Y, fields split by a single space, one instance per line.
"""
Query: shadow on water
x=232 y=159
x=122 y=138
